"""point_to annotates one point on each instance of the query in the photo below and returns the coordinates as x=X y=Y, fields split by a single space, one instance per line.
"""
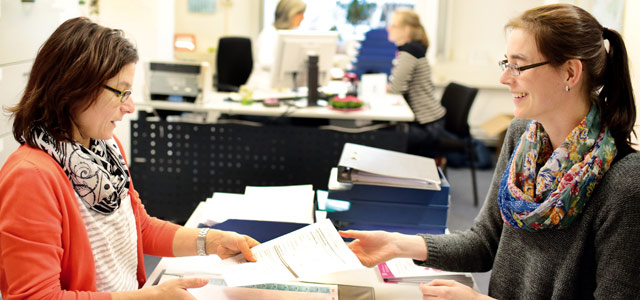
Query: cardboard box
x=497 y=127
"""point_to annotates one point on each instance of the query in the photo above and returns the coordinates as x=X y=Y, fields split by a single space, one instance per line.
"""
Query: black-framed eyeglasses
x=515 y=70
x=124 y=95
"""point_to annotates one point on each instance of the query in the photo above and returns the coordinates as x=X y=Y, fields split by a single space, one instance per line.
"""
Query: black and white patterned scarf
x=99 y=175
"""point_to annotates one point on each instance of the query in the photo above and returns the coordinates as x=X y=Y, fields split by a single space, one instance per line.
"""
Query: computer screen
x=292 y=49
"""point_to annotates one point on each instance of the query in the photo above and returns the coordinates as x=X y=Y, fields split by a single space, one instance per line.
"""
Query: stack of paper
x=403 y=270
x=368 y=165
x=279 y=203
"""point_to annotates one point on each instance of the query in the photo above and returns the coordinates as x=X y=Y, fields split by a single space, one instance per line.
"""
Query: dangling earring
x=566 y=88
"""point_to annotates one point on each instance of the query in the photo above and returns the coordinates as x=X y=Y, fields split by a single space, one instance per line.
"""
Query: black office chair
x=457 y=99
x=234 y=62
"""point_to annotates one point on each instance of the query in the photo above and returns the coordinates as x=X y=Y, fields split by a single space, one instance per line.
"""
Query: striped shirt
x=114 y=242
x=411 y=76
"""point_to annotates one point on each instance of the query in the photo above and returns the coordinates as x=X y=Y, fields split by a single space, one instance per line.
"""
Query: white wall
x=232 y=18
x=23 y=28
x=149 y=25
x=632 y=39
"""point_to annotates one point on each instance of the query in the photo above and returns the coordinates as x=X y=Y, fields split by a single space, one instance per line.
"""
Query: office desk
x=362 y=277
x=386 y=107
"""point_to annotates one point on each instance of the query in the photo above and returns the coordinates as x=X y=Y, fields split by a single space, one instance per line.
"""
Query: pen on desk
x=315 y=207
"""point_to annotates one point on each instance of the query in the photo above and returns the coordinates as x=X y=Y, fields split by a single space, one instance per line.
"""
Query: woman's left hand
x=228 y=243
x=449 y=289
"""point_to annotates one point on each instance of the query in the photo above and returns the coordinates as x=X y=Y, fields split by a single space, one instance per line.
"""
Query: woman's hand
x=174 y=289
x=371 y=247
x=449 y=289
x=228 y=243
x=374 y=247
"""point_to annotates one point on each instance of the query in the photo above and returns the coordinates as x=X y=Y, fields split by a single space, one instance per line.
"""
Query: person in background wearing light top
x=560 y=220
x=289 y=14
x=71 y=223
x=411 y=77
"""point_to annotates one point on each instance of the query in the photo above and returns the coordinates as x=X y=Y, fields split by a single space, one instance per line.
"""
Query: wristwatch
x=201 y=242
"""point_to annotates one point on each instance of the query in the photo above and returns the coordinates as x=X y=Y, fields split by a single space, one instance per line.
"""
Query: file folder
x=261 y=231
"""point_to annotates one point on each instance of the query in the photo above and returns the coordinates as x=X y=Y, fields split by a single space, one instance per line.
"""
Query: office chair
x=457 y=99
x=234 y=62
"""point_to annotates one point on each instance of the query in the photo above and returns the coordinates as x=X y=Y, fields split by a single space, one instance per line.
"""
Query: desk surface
x=362 y=277
x=386 y=107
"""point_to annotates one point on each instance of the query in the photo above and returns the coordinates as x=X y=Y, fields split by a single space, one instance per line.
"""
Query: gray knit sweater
x=597 y=257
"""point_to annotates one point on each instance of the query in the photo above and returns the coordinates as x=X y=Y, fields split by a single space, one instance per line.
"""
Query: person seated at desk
x=71 y=223
x=411 y=76
x=289 y=14
x=560 y=220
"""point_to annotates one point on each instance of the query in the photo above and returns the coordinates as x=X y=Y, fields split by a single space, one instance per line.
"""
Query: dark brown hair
x=564 y=32
x=68 y=74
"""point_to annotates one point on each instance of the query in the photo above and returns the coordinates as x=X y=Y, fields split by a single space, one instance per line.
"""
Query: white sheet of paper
x=404 y=267
x=280 y=204
x=191 y=265
x=309 y=251
x=223 y=206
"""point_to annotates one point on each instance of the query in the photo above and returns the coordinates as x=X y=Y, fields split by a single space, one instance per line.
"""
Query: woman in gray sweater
x=560 y=220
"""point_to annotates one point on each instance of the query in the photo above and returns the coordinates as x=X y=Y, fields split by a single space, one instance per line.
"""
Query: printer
x=178 y=81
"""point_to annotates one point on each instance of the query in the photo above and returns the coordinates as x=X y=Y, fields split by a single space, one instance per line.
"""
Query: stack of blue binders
x=407 y=210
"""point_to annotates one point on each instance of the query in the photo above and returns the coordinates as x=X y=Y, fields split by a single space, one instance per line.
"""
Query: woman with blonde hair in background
x=411 y=77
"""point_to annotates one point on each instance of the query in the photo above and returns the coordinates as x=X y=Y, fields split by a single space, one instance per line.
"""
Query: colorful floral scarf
x=543 y=188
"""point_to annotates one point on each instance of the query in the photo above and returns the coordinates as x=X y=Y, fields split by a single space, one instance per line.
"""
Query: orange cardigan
x=45 y=251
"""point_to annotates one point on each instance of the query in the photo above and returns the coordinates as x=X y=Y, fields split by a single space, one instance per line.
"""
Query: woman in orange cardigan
x=71 y=224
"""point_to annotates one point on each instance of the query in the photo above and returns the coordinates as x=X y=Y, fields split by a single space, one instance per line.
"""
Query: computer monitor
x=292 y=50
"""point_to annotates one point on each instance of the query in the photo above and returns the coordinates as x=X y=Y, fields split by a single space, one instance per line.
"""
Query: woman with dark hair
x=560 y=220
x=71 y=224
x=411 y=77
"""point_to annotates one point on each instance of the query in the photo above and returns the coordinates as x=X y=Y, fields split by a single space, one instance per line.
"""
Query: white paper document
x=274 y=203
x=309 y=251
x=403 y=270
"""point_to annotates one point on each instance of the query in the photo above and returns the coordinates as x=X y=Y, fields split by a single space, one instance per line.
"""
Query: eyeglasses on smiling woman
x=124 y=95
x=515 y=70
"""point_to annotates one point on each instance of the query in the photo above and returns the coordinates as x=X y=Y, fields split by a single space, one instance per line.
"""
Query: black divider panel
x=176 y=165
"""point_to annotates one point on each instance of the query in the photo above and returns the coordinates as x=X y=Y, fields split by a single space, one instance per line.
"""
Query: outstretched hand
x=371 y=247
x=174 y=289
x=228 y=243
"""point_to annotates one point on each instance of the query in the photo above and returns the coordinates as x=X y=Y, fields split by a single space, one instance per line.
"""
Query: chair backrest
x=234 y=62
x=457 y=99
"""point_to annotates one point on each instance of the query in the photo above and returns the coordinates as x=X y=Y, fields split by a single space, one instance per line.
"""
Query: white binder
x=374 y=166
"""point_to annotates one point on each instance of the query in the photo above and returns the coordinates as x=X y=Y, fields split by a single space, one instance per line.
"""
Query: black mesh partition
x=176 y=165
